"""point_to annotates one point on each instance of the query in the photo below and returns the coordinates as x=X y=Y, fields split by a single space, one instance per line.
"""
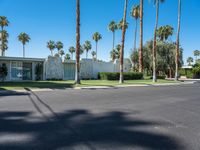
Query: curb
x=98 y=87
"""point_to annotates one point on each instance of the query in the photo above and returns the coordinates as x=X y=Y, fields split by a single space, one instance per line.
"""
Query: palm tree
x=24 y=38
x=59 y=45
x=196 y=54
x=77 y=74
x=51 y=45
x=164 y=32
x=121 y=79
x=178 y=40
x=135 y=13
x=141 y=38
x=67 y=57
x=87 y=47
x=120 y=25
x=96 y=37
x=4 y=38
x=61 y=53
x=157 y=3
x=113 y=27
x=93 y=55
x=3 y=23
x=190 y=60
x=72 y=50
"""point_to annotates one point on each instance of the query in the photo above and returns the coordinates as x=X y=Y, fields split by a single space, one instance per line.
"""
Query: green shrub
x=3 y=72
x=160 y=77
x=116 y=75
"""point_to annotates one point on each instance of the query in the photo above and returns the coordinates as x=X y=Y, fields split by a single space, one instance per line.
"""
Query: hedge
x=116 y=75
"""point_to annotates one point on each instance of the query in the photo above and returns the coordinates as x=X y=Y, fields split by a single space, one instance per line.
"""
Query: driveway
x=132 y=118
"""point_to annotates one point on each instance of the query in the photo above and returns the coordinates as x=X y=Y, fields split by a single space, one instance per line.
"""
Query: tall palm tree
x=121 y=79
x=190 y=60
x=141 y=38
x=24 y=38
x=96 y=37
x=77 y=74
x=59 y=45
x=72 y=50
x=87 y=47
x=61 y=53
x=51 y=45
x=3 y=23
x=113 y=27
x=135 y=13
x=178 y=40
x=157 y=3
x=196 y=54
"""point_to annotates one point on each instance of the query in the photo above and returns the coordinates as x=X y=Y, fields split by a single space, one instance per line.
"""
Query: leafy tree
x=157 y=4
x=87 y=46
x=51 y=45
x=190 y=61
x=113 y=27
x=96 y=37
x=72 y=50
x=24 y=38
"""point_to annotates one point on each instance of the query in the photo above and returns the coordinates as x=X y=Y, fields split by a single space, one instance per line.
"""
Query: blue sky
x=46 y=20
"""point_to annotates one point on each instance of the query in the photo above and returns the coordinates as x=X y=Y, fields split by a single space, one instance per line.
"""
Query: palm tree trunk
x=121 y=80
x=86 y=54
x=52 y=53
x=96 y=50
x=178 y=40
x=154 y=42
x=141 y=38
x=23 y=50
x=2 y=53
x=113 y=40
x=135 y=37
x=77 y=76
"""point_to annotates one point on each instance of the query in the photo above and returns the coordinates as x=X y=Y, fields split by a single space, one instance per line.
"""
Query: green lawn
x=70 y=84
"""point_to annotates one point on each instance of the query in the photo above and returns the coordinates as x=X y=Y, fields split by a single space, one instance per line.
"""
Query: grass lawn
x=70 y=84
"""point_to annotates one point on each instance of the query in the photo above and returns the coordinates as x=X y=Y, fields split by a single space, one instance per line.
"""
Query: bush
x=3 y=72
x=160 y=77
x=116 y=75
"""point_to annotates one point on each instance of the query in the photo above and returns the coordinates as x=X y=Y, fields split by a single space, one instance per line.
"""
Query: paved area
x=132 y=118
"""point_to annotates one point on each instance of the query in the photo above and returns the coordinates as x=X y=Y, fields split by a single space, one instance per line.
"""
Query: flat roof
x=21 y=59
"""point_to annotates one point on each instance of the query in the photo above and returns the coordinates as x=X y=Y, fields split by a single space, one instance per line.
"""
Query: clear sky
x=46 y=20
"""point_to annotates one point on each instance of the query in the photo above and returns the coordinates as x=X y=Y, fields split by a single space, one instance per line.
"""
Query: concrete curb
x=98 y=87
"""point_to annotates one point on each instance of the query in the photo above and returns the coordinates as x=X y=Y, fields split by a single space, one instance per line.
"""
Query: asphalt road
x=134 y=118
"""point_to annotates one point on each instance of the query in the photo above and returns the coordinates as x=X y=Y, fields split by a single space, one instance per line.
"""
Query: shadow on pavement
x=78 y=129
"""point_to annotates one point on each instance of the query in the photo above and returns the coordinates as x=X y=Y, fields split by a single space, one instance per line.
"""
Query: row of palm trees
x=22 y=37
x=137 y=12
x=190 y=60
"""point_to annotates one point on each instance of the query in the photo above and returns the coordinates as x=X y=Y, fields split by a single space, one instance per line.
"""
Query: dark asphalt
x=134 y=118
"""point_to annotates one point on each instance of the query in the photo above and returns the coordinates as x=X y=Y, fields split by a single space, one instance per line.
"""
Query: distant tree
x=113 y=27
x=93 y=55
x=190 y=61
x=67 y=57
x=87 y=47
x=72 y=50
x=51 y=45
x=96 y=37
x=120 y=25
x=3 y=72
x=59 y=45
x=61 y=53
x=164 y=32
x=196 y=54
x=24 y=38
